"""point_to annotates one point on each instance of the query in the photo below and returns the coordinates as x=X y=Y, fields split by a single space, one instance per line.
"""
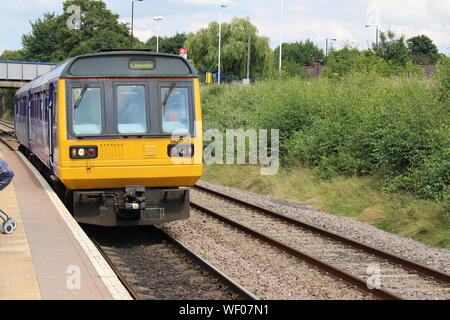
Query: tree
x=421 y=48
x=168 y=44
x=203 y=48
x=297 y=55
x=13 y=55
x=350 y=59
x=392 y=49
x=51 y=39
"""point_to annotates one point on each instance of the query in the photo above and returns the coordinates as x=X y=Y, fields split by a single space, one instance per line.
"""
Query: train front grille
x=112 y=151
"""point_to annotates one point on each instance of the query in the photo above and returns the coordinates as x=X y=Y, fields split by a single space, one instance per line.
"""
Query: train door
x=51 y=120
x=28 y=113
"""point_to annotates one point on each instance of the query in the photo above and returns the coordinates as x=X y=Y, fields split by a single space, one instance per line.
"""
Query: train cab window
x=175 y=104
x=87 y=110
x=131 y=109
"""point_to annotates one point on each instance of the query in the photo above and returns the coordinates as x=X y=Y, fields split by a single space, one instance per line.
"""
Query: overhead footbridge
x=15 y=74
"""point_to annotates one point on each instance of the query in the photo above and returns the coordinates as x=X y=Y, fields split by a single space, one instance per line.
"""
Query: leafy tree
x=297 y=55
x=349 y=59
x=12 y=55
x=421 y=48
x=51 y=39
x=168 y=44
x=392 y=49
x=203 y=48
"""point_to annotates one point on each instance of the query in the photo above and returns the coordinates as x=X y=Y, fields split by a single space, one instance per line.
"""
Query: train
x=118 y=133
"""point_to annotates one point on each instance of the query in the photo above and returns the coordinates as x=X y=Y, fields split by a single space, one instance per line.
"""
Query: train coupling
x=134 y=198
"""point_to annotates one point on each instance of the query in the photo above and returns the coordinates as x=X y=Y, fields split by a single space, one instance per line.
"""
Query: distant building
x=428 y=69
x=315 y=69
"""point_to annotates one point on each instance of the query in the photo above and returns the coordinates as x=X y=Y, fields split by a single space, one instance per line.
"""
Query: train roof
x=117 y=64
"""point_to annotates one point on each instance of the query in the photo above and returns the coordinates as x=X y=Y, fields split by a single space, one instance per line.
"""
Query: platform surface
x=48 y=256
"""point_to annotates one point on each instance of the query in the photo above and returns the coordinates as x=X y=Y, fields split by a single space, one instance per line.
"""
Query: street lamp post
x=326 y=48
x=220 y=40
x=132 y=20
x=281 y=36
x=158 y=19
x=368 y=26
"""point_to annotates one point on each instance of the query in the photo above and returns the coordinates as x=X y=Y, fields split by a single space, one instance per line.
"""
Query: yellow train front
x=120 y=132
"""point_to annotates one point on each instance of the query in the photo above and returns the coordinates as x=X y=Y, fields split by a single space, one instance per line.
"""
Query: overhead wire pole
x=132 y=20
x=220 y=40
x=249 y=54
x=281 y=35
x=326 y=48
x=158 y=19
x=378 y=32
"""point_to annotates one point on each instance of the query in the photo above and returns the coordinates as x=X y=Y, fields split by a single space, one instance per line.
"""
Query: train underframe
x=130 y=206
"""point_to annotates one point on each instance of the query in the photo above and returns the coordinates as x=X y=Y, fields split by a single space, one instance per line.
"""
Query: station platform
x=48 y=256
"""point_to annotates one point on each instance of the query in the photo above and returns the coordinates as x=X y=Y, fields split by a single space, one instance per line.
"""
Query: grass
x=358 y=198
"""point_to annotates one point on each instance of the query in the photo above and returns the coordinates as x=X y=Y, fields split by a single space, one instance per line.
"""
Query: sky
x=318 y=20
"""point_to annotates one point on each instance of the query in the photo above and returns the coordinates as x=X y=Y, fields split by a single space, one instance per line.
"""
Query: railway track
x=154 y=266
x=8 y=125
x=7 y=134
x=357 y=264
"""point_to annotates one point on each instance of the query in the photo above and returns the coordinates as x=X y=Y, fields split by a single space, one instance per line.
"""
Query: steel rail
x=392 y=258
x=240 y=290
x=131 y=291
x=336 y=273
x=2 y=140
x=8 y=125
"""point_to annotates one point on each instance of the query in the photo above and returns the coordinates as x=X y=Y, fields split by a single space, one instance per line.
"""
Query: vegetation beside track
x=368 y=147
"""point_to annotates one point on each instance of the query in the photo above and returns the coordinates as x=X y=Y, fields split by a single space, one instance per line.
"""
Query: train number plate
x=152 y=214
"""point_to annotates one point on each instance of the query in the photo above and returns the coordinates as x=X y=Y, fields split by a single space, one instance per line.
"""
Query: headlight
x=82 y=152
x=181 y=150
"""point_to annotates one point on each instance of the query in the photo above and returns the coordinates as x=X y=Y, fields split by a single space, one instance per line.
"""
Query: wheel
x=13 y=223
x=8 y=227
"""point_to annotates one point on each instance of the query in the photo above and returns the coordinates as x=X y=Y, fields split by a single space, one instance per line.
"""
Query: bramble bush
x=397 y=128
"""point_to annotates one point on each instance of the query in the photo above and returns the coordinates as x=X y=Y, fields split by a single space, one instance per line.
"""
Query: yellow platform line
x=18 y=279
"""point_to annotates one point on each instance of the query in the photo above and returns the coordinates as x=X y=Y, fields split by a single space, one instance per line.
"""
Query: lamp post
x=132 y=20
x=281 y=36
x=326 y=48
x=158 y=19
x=368 y=26
x=220 y=40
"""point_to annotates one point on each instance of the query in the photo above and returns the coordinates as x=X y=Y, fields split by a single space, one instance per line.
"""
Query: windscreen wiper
x=81 y=96
x=173 y=86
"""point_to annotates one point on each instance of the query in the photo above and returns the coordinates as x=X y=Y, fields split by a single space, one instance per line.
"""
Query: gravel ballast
x=271 y=274
x=408 y=248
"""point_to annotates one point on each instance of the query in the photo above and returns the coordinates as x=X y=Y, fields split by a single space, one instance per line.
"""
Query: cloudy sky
x=317 y=20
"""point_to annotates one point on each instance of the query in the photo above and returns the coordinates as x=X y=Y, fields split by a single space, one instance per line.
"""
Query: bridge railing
x=23 y=71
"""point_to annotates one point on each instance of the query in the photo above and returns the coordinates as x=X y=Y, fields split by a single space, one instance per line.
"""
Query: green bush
x=443 y=78
x=361 y=124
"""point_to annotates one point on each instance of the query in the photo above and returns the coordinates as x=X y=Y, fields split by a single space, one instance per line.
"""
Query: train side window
x=175 y=104
x=131 y=109
x=87 y=110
